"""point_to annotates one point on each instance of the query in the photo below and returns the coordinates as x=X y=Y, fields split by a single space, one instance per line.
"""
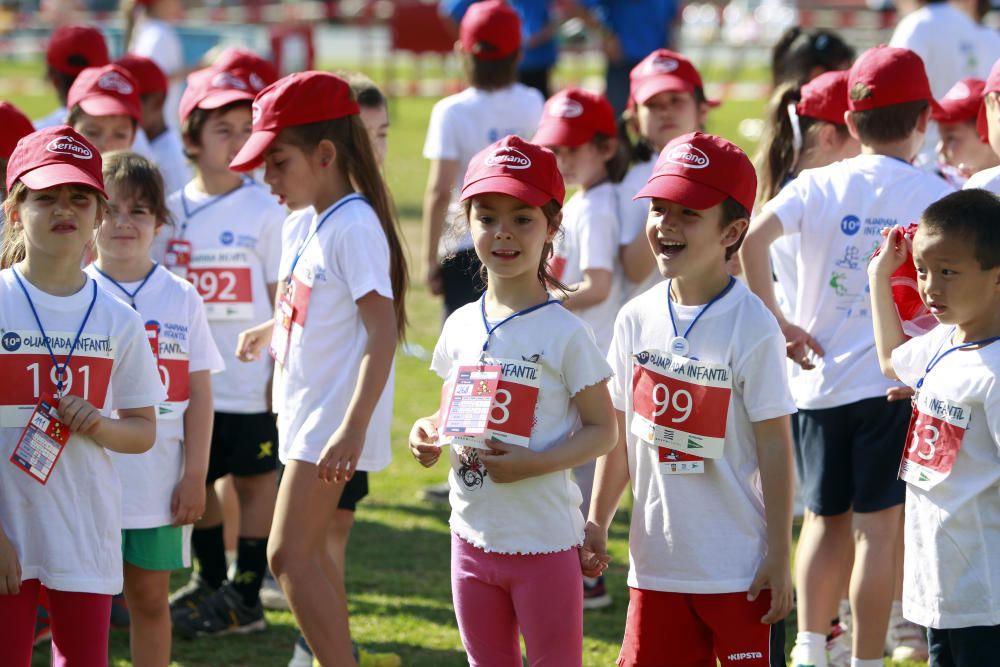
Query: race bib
x=673 y=462
x=512 y=413
x=470 y=400
x=557 y=266
x=42 y=441
x=937 y=429
x=281 y=332
x=681 y=403
x=224 y=280
x=178 y=257
x=175 y=374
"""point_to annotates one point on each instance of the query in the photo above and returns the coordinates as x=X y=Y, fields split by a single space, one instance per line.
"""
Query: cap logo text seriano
x=257 y=82
x=689 y=156
x=508 y=157
x=663 y=65
x=116 y=82
x=227 y=80
x=67 y=145
x=566 y=108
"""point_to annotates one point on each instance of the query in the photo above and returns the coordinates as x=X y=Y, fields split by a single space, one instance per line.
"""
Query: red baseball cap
x=661 y=71
x=514 y=167
x=914 y=315
x=572 y=117
x=297 y=99
x=702 y=170
x=146 y=72
x=213 y=88
x=260 y=71
x=992 y=86
x=106 y=91
x=825 y=98
x=55 y=156
x=490 y=30
x=13 y=125
x=73 y=48
x=888 y=76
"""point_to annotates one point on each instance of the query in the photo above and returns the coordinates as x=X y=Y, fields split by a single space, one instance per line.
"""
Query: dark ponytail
x=798 y=52
x=777 y=153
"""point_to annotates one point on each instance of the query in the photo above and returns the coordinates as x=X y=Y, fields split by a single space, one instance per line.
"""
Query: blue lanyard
x=188 y=213
x=939 y=355
x=60 y=370
x=490 y=330
x=315 y=230
x=130 y=295
x=670 y=306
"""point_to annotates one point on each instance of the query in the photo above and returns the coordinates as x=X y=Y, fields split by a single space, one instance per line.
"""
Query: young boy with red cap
x=961 y=151
x=850 y=436
x=227 y=241
x=988 y=127
x=71 y=49
x=104 y=106
x=704 y=435
x=13 y=125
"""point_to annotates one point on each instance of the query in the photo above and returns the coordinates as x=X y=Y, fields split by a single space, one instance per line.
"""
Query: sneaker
x=189 y=596
x=801 y=658
x=366 y=659
x=905 y=640
x=120 y=618
x=221 y=613
x=595 y=596
x=301 y=655
x=43 y=629
x=271 y=595
x=436 y=494
x=838 y=646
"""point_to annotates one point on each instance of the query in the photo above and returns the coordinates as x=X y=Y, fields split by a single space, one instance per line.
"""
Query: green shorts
x=163 y=548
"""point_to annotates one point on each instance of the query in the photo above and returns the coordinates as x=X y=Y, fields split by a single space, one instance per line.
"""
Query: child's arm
x=591 y=291
x=343 y=449
x=133 y=432
x=440 y=181
x=255 y=340
x=610 y=479
x=596 y=436
x=888 y=330
x=424 y=440
x=774 y=458
x=10 y=567
x=637 y=258
x=187 y=503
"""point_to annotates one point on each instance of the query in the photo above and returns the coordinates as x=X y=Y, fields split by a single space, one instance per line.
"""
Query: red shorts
x=693 y=629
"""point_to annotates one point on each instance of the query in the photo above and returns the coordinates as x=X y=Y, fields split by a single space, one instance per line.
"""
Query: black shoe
x=120 y=617
x=221 y=613
x=189 y=596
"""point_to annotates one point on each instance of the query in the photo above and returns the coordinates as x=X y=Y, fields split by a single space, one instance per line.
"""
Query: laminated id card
x=282 y=331
x=41 y=442
x=178 y=256
x=471 y=400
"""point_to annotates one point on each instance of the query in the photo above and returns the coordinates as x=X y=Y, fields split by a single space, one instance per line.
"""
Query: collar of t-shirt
x=73 y=302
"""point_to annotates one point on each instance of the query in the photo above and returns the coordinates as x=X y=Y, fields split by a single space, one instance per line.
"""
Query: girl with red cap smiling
x=516 y=521
x=104 y=107
x=340 y=315
x=71 y=353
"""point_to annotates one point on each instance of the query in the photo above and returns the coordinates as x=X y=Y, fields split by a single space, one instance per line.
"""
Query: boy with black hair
x=71 y=49
x=952 y=560
x=851 y=437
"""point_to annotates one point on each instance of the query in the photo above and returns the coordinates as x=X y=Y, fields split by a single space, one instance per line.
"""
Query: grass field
x=398 y=573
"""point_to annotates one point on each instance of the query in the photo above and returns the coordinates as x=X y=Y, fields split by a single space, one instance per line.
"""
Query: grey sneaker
x=221 y=613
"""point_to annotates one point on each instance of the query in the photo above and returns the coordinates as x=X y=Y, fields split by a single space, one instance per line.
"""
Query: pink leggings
x=497 y=594
x=80 y=624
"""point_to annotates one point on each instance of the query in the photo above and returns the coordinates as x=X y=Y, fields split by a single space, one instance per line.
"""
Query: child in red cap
x=961 y=151
x=13 y=125
x=703 y=431
x=988 y=127
x=850 y=436
x=340 y=314
x=548 y=412
x=71 y=355
x=71 y=49
x=666 y=99
x=104 y=106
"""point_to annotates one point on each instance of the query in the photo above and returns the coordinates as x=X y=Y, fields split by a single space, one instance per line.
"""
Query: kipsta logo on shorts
x=959 y=91
x=11 y=341
x=67 y=145
x=226 y=238
x=663 y=65
x=228 y=80
x=688 y=156
x=566 y=108
x=116 y=82
x=850 y=224
x=508 y=157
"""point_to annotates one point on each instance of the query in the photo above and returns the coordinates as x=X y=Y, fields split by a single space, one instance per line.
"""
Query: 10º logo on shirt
x=850 y=225
x=11 y=341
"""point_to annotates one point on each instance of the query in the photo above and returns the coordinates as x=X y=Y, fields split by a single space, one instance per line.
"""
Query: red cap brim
x=252 y=154
x=53 y=175
x=664 y=83
x=982 y=126
x=507 y=185
x=102 y=105
x=224 y=97
x=683 y=191
x=555 y=133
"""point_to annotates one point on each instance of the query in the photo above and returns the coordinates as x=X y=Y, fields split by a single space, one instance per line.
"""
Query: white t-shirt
x=987 y=179
x=57 y=117
x=236 y=249
x=589 y=240
x=952 y=531
x=839 y=210
x=293 y=231
x=67 y=532
x=539 y=514
x=463 y=124
x=160 y=42
x=702 y=533
x=633 y=214
x=345 y=260
x=168 y=155
x=170 y=306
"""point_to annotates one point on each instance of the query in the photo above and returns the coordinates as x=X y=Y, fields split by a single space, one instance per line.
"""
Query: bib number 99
x=680 y=402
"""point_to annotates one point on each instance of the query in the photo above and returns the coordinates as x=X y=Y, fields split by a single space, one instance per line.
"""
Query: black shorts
x=355 y=489
x=850 y=456
x=964 y=647
x=460 y=280
x=243 y=445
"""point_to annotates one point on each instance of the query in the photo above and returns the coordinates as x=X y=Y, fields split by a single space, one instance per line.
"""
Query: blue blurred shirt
x=534 y=15
x=642 y=26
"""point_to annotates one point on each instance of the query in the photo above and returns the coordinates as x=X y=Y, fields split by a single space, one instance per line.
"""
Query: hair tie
x=793 y=117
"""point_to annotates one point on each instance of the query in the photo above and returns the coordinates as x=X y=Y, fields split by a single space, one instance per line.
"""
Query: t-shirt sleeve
x=910 y=358
x=599 y=239
x=909 y=34
x=135 y=380
x=991 y=408
x=362 y=254
x=441 y=361
x=270 y=243
x=203 y=354
x=583 y=363
x=441 y=143
x=618 y=359
x=789 y=205
x=763 y=381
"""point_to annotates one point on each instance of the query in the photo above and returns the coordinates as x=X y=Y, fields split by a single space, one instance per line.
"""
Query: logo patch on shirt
x=226 y=238
x=11 y=341
x=850 y=225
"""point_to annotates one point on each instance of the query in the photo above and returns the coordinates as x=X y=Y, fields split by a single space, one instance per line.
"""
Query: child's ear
x=734 y=231
x=554 y=227
x=326 y=153
x=852 y=127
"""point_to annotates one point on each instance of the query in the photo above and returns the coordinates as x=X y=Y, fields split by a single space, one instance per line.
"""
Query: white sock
x=858 y=662
x=810 y=649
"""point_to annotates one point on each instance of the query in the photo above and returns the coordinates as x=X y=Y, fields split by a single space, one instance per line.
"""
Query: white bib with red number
x=223 y=278
x=937 y=429
x=681 y=403
x=513 y=413
x=172 y=360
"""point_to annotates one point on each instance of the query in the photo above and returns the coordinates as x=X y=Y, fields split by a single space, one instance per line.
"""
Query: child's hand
x=891 y=255
x=187 y=503
x=508 y=463
x=798 y=344
x=423 y=442
x=251 y=343
x=10 y=568
x=79 y=415
x=594 y=556
x=899 y=394
x=339 y=460
x=775 y=574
